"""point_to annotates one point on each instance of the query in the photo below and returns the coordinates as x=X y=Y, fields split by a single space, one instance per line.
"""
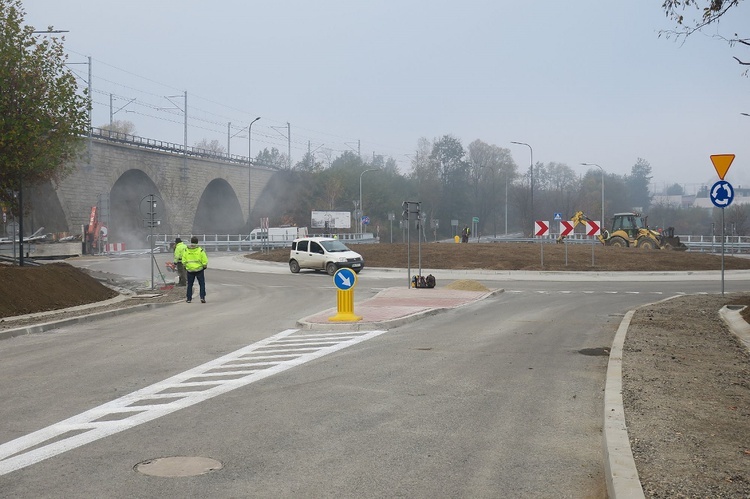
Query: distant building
x=672 y=201
x=699 y=200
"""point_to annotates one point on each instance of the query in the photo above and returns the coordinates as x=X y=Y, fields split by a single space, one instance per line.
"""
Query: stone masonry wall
x=79 y=191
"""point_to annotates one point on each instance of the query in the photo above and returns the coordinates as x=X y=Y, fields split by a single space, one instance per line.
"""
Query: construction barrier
x=114 y=247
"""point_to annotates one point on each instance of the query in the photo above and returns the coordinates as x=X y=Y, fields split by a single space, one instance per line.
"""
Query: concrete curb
x=365 y=326
x=384 y=324
x=40 y=328
x=621 y=473
x=731 y=315
x=620 y=470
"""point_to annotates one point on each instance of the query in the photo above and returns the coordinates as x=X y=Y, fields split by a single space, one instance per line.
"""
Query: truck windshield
x=334 y=246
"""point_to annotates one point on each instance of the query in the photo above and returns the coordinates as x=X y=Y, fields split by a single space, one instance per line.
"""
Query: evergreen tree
x=637 y=184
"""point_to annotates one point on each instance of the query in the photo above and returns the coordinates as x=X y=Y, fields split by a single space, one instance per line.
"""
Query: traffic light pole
x=406 y=206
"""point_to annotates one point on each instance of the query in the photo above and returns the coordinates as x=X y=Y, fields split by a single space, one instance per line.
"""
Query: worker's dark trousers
x=191 y=277
x=181 y=273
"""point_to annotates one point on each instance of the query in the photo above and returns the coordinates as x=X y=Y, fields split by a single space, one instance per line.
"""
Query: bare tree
x=119 y=126
x=213 y=146
x=709 y=12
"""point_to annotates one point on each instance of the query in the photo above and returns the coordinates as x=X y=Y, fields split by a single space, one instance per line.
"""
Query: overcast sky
x=579 y=81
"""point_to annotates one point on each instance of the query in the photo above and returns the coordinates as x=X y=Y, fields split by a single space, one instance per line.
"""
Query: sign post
x=566 y=227
x=721 y=195
x=149 y=210
x=541 y=228
x=592 y=229
x=345 y=279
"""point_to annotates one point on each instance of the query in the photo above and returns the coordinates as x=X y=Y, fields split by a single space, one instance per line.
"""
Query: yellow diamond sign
x=722 y=162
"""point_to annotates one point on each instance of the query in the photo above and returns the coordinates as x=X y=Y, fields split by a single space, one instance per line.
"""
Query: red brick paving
x=396 y=303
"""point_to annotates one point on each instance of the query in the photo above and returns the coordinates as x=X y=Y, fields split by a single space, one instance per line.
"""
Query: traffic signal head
x=405 y=213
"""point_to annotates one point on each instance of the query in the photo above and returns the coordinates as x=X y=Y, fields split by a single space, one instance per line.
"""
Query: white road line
x=544 y=292
x=568 y=292
x=85 y=427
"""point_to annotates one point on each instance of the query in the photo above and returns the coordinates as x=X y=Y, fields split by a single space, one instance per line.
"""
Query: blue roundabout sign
x=722 y=194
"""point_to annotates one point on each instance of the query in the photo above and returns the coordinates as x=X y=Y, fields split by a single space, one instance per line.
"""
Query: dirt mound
x=467 y=285
x=687 y=399
x=529 y=256
x=53 y=286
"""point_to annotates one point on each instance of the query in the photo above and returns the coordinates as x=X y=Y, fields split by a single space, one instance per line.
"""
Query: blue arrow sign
x=344 y=279
x=722 y=194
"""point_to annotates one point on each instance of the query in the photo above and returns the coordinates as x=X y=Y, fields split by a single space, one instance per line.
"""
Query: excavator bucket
x=671 y=242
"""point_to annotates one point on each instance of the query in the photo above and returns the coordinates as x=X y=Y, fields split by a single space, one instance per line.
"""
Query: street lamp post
x=249 y=169
x=506 y=204
x=531 y=174
x=361 y=208
x=602 y=170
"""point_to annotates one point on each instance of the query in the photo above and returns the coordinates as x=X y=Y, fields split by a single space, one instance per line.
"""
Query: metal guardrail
x=240 y=242
x=712 y=244
x=702 y=244
x=170 y=147
x=219 y=242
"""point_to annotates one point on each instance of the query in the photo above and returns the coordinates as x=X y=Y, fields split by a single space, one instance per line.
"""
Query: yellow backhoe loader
x=630 y=229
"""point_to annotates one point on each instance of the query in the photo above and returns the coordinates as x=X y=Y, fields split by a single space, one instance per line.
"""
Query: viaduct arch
x=197 y=191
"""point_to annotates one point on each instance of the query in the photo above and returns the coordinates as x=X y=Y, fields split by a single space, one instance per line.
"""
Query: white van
x=274 y=234
x=323 y=253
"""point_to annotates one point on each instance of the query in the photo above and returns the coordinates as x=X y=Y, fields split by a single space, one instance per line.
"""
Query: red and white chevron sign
x=566 y=227
x=541 y=228
x=593 y=227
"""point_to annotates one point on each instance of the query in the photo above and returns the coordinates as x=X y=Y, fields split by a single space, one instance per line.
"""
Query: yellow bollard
x=457 y=239
x=345 y=313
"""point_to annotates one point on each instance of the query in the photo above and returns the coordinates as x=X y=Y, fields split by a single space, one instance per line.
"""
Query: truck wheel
x=618 y=242
x=647 y=244
x=331 y=268
x=294 y=266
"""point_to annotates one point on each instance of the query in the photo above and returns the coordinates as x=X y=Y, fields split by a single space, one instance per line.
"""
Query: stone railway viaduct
x=197 y=191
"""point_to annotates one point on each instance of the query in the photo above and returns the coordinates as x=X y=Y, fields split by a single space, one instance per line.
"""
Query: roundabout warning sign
x=722 y=194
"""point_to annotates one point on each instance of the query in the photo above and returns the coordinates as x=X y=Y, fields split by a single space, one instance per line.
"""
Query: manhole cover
x=178 y=466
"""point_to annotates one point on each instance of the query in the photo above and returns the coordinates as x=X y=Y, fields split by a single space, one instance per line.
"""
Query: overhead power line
x=149 y=103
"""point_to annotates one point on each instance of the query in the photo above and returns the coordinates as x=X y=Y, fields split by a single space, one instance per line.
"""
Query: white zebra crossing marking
x=242 y=367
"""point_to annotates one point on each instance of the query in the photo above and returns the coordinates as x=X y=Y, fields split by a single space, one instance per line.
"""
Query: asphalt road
x=503 y=398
